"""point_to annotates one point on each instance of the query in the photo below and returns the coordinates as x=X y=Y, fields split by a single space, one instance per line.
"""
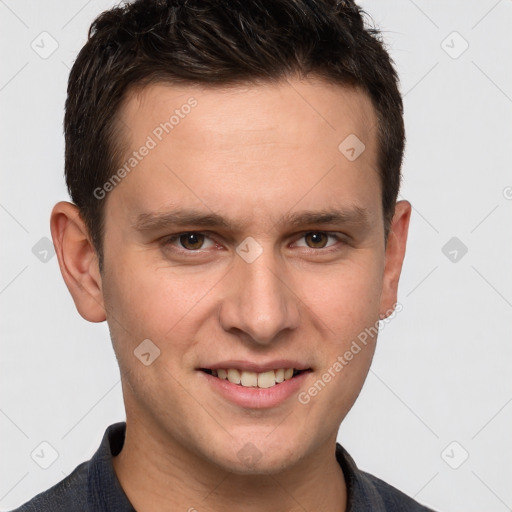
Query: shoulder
x=68 y=494
x=392 y=499
x=92 y=486
x=367 y=492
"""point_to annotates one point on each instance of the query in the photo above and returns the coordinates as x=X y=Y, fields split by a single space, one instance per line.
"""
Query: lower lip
x=256 y=398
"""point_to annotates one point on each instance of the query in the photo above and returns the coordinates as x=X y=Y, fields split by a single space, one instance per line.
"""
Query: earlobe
x=395 y=253
x=78 y=261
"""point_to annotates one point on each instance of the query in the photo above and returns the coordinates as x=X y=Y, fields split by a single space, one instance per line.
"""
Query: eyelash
x=168 y=241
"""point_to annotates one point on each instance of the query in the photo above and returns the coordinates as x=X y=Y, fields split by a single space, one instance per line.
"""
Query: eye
x=190 y=241
x=317 y=239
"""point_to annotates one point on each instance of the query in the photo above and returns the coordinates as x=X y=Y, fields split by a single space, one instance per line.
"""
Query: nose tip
x=259 y=303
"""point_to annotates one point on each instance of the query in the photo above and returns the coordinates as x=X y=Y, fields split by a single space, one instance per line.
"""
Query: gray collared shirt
x=93 y=486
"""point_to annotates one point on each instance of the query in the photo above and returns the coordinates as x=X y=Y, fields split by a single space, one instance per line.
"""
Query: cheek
x=347 y=298
x=347 y=311
x=145 y=300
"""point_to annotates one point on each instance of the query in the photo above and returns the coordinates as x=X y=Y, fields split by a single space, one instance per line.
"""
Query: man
x=234 y=168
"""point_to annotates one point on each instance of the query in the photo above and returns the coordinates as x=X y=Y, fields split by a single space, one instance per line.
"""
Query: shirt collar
x=362 y=495
x=104 y=492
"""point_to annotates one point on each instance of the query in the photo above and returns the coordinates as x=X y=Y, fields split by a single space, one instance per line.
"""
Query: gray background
x=440 y=386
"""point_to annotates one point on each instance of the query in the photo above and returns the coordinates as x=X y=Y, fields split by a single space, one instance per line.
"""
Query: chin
x=257 y=456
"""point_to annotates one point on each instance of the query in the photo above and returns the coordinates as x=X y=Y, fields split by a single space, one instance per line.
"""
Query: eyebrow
x=154 y=221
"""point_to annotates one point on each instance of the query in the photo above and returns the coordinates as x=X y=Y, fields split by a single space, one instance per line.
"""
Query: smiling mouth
x=249 y=379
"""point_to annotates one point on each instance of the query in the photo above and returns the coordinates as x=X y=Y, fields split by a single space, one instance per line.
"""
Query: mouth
x=250 y=379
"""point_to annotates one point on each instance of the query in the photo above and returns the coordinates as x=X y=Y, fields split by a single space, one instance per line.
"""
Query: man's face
x=256 y=289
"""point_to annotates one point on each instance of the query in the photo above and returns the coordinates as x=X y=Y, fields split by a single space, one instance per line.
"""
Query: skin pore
x=258 y=161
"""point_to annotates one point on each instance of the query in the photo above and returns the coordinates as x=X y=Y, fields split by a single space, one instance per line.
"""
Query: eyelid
x=337 y=236
x=168 y=240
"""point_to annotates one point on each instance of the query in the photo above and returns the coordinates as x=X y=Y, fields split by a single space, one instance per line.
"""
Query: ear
x=78 y=261
x=395 y=253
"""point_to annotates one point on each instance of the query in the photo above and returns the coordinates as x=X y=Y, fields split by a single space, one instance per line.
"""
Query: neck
x=163 y=476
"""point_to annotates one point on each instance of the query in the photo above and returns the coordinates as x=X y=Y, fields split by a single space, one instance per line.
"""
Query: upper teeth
x=253 y=379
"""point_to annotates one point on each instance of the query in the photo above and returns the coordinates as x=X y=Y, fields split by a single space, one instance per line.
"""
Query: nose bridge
x=258 y=302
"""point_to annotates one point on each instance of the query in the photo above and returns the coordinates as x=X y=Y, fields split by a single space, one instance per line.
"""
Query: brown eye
x=316 y=239
x=192 y=241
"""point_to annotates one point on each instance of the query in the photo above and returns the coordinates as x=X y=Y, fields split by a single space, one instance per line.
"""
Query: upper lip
x=251 y=366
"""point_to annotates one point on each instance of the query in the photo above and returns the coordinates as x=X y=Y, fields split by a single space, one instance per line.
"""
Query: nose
x=258 y=301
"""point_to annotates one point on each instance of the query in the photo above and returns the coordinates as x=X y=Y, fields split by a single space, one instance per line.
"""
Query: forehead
x=322 y=107
x=248 y=146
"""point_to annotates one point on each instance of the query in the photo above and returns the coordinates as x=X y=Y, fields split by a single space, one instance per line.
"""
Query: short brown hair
x=219 y=42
